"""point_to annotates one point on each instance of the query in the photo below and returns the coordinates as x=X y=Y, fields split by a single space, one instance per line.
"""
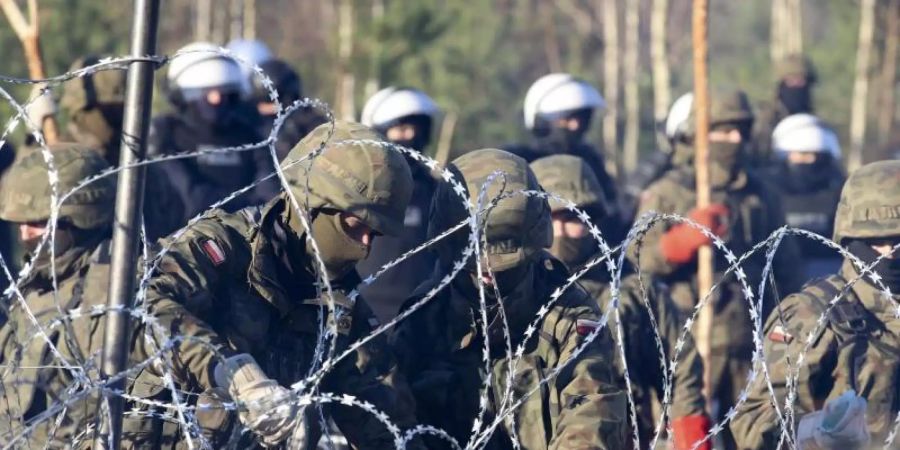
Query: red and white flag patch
x=780 y=335
x=585 y=327
x=213 y=251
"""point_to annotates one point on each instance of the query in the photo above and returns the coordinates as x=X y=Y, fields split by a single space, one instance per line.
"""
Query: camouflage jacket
x=755 y=213
x=440 y=350
x=232 y=285
x=639 y=342
x=857 y=348
x=34 y=396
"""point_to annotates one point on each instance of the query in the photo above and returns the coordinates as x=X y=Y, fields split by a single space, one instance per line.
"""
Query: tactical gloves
x=679 y=245
x=841 y=424
x=266 y=408
x=689 y=430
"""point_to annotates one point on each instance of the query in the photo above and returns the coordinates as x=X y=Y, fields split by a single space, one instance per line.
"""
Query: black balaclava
x=422 y=123
x=888 y=268
x=806 y=178
x=223 y=116
x=560 y=139
x=795 y=99
x=285 y=80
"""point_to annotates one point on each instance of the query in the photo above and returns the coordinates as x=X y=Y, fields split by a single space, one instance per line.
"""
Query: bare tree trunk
x=373 y=83
x=861 y=84
x=632 y=97
x=611 y=83
x=345 y=107
x=551 y=43
x=220 y=25
x=249 y=19
x=776 y=31
x=786 y=28
x=888 y=79
x=203 y=20
x=662 y=95
x=235 y=16
x=793 y=26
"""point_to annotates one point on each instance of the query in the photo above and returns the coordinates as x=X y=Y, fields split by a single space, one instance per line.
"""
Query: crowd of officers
x=242 y=338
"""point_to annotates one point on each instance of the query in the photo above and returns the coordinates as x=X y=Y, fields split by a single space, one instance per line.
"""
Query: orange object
x=680 y=244
x=689 y=430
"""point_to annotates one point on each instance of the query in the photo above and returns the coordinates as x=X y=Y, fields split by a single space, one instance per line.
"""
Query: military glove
x=687 y=431
x=41 y=107
x=679 y=245
x=268 y=409
x=840 y=425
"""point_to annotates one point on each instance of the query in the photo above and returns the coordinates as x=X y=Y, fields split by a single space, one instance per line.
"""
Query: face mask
x=795 y=99
x=724 y=158
x=339 y=251
x=514 y=285
x=806 y=177
x=65 y=240
x=220 y=116
x=887 y=269
x=422 y=137
x=573 y=251
x=564 y=140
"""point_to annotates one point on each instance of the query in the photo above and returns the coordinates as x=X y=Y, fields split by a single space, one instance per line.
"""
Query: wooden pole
x=29 y=34
x=701 y=165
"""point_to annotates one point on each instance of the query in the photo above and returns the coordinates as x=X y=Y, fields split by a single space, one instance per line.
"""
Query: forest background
x=478 y=57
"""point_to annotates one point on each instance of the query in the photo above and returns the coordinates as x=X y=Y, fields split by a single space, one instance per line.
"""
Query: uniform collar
x=739 y=182
x=869 y=295
x=67 y=264
x=263 y=270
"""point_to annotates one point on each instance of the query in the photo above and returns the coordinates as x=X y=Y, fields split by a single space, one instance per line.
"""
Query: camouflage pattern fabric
x=754 y=213
x=857 y=348
x=439 y=349
x=25 y=193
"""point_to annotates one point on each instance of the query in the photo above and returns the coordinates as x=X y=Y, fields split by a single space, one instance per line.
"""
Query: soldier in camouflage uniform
x=795 y=76
x=440 y=347
x=858 y=346
x=246 y=290
x=95 y=107
x=569 y=177
x=743 y=212
x=82 y=275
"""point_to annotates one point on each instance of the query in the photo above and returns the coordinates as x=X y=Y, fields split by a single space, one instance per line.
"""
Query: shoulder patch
x=780 y=335
x=213 y=251
x=585 y=327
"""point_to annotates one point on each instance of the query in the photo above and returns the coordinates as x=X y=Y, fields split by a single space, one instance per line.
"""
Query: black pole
x=129 y=203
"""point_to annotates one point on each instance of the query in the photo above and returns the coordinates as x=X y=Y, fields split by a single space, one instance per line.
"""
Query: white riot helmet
x=251 y=51
x=805 y=133
x=200 y=67
x=557 y=94
x=677 y=119
x=393 y=103
x=390 y=106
